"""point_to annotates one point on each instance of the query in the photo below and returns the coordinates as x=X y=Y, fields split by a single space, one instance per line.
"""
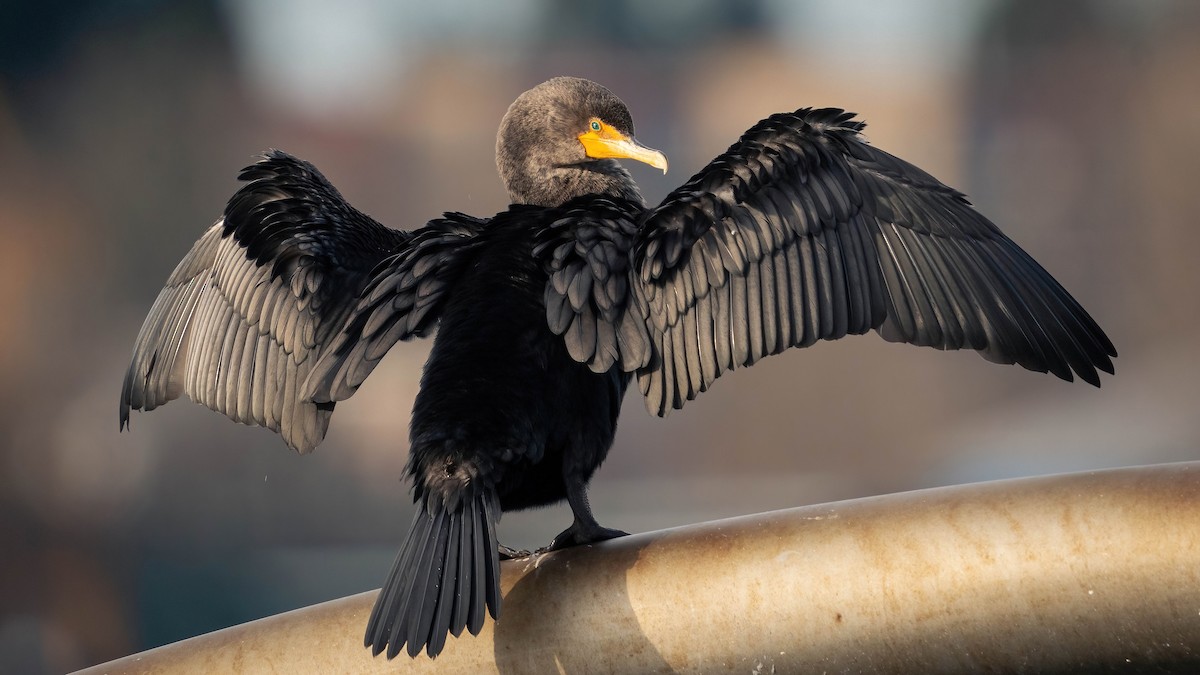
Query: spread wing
x=802 y=232
x=248 y=312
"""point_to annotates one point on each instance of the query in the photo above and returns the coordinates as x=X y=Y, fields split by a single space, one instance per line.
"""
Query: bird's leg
x=585 y=529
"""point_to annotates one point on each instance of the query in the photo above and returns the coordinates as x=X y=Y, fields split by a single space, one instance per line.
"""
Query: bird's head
x=558 y=141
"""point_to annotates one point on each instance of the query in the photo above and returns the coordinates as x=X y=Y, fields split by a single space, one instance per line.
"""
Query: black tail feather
x=464 y=564
x=489 y=517
x=445 y=578
x=449 y=586
x=476 y=582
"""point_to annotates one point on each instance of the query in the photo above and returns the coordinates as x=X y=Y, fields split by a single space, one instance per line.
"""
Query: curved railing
x=1083 y=572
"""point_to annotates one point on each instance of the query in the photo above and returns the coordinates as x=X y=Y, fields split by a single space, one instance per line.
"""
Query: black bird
x=800 y=232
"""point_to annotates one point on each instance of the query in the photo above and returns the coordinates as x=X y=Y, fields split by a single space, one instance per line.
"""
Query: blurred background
x=123 y=123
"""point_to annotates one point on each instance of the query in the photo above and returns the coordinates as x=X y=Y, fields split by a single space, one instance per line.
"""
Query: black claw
x=510 y=553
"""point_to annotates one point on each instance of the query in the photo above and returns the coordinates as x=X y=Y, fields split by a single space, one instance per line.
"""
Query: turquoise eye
x=595 y=125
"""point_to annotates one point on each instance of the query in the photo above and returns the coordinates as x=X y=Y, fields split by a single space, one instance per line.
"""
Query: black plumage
x=799 y=232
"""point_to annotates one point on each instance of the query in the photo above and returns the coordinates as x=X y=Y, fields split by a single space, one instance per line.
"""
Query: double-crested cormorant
x=800 y=232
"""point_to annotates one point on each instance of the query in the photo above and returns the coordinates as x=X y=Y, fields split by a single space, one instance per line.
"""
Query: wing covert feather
x=590 y=296
x=401 y=300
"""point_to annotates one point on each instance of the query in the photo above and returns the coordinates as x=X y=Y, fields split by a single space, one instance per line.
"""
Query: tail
x=445 y=575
